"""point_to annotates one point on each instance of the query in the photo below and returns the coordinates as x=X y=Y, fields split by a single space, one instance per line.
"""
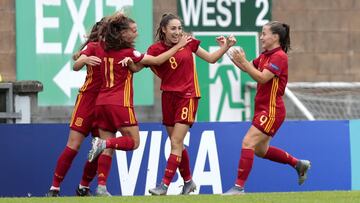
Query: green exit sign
x=48 y=32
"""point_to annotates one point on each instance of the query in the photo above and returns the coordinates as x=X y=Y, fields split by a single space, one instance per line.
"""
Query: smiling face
x=173 y=31
x=269 y=40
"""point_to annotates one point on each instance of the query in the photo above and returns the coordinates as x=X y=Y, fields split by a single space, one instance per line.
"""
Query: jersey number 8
x=173 y=62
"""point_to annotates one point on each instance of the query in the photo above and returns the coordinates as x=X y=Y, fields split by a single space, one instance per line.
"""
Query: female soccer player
x=114 y=105
x=270 y=71
x=180 y=94
x=82 y=120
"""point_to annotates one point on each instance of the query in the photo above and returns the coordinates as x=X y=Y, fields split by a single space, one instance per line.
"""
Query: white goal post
x=315 y=100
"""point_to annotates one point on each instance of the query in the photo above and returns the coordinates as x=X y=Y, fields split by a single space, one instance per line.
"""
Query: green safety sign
x=222 y=84
x=48 y=32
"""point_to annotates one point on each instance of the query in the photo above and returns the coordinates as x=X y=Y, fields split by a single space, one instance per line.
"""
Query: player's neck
x=168 y=43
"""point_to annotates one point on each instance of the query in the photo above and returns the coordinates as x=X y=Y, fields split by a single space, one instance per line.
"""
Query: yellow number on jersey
x=109 y=67
x=173 y=62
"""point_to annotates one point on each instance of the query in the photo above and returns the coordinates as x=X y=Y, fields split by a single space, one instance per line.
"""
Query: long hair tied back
x=94 y=36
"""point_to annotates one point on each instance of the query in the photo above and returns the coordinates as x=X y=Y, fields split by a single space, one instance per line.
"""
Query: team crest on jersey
x=79 y=121
x=136 y=53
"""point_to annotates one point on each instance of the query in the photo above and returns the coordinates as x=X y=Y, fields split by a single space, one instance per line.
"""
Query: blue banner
x=30 y=152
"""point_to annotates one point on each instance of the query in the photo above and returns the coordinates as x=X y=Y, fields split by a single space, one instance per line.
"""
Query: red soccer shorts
x=83 y=115
x=177 y=109
x=113 y=117
x=267 y=125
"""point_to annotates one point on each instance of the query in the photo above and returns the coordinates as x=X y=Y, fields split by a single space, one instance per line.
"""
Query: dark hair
x=92 y=37
x=165 y=19
x=112 y=32
x=283 y=30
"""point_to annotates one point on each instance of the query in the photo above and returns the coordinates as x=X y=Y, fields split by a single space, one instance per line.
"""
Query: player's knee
x=176 y=143
x=74 y=144
x=136 y=143
x=259 y=152
x=247 y=144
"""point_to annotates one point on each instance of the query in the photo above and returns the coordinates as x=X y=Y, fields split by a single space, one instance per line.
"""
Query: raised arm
x=158 y=60
x=134 y=67
x=155 y=60
x=86 y=60
x=239 y=59
x=224 y=43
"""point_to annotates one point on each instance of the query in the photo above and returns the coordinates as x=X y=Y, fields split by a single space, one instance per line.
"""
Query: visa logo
x=206 y=170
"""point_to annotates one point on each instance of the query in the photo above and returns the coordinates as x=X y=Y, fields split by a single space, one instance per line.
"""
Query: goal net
x=320 y=100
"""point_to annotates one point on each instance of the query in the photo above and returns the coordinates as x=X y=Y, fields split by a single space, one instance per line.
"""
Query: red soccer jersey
x=178 y=73
x=117 y=86
x=269 y=95
x=93 y=75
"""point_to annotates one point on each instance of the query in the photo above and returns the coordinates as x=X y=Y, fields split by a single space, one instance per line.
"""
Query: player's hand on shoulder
x=126 y=61
x=184 y=40
x=93 y=61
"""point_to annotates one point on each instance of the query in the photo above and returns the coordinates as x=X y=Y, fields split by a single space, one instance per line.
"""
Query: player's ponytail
x=92 y=37
x=285 y=43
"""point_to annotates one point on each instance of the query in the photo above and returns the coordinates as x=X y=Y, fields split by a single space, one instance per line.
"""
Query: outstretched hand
x=221 y=41
x=126 y=61
x=226 y=41
x=230 y=40
x=239 y=57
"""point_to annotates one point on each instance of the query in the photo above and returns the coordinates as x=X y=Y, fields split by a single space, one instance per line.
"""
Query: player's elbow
x=261 y=80
x=136 y=144
x=212 y=60
x=76 y=68
x=133 y=69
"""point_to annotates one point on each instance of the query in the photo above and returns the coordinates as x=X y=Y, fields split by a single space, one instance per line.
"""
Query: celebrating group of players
x=104 y=104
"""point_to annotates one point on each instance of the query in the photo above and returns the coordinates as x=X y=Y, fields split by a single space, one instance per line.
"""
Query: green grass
x=325 y=196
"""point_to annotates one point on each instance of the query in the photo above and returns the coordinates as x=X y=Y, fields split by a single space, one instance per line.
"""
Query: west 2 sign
x=225 y=15
x=48 y=32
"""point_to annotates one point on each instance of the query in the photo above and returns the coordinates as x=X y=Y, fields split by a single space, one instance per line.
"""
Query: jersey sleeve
x=136 y=56
x=88 y=50
x=256 y=62
x=194 y=45
x=153 y=50
x=276 y=64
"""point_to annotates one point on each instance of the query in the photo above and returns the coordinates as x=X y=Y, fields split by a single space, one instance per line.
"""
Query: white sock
x=55 y=188
x=102 y=186
x=82 y=187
